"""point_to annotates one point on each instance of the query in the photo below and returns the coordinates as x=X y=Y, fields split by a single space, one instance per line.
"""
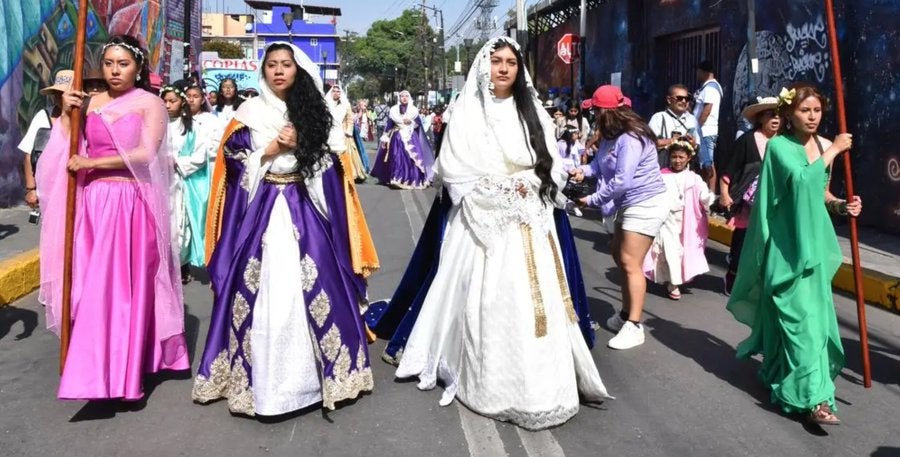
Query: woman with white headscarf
x=341 y=138
x=498 y=326
x=285 y=283
x=405 y=158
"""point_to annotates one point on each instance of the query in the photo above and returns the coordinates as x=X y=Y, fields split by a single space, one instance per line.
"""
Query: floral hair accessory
x=786 y=97
x=685 y=145
x=134 y=50
x=177 y=91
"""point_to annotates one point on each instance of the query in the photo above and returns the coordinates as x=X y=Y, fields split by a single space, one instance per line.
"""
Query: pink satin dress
x=113 y=341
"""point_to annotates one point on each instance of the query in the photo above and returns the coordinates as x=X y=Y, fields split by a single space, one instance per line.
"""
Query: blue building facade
x=318 y=41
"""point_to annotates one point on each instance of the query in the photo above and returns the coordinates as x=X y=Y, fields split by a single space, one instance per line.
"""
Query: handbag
x=577 y=190
x=41 y=138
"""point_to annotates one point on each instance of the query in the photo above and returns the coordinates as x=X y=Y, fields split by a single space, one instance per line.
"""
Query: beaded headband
x=134 y=50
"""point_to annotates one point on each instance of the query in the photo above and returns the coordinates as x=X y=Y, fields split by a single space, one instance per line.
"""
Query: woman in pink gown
x=127 y=308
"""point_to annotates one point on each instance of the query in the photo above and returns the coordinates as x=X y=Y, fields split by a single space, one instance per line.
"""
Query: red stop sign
x=568 y=48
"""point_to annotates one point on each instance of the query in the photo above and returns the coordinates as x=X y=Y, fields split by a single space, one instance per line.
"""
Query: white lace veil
x=464 y=151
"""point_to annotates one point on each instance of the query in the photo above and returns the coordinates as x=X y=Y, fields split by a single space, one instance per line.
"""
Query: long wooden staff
x=74 y=137
x=848 y=180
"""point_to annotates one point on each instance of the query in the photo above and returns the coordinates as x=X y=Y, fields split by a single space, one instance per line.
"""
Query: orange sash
x=217 y=193
x=362 y=248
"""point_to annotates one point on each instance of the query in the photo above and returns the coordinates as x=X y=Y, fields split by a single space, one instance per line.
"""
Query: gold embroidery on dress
x=540 y=317
x=361 y=357
x=561 y=278
x=240 y=397
x=245 y=347
x=337 y=390
x=310 y=273
x=213 y=388
x=320 y=308
x=251 y=274
x=341 y=367
x=331 y=343
x=344 y=382
x=232 y=343
x=239 y=310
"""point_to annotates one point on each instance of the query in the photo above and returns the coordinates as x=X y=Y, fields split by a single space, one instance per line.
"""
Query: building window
x=677 y=56
x=313 y=41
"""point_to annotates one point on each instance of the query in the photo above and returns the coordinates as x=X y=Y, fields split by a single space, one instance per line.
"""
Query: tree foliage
x=226 y=49
x=392 y=56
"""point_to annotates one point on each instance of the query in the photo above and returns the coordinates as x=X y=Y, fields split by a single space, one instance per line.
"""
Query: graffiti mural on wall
x=792 y=45
x=41 y=43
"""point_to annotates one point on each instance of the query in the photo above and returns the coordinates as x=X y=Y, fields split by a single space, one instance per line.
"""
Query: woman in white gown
x=498 y=326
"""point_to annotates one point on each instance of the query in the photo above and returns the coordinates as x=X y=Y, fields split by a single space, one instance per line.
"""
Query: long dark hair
x=307 y=111
x=568 y=135
x=622 y=120
x=141 y=58
x=235 y=101
x=579 y=116
x=524 y=98
x=187 y=119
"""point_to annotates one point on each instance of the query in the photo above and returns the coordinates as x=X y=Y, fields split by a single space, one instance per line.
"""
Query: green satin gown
x=783 y=285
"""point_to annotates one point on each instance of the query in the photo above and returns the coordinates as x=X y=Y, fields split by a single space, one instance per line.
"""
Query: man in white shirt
x=674 y=123
x=708 y=99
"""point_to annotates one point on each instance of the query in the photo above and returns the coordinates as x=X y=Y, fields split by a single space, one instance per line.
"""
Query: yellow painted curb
x=879 y=288
x=19 y=276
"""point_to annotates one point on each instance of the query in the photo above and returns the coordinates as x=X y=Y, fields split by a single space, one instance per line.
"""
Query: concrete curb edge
x=880 y=288
x=19 y=276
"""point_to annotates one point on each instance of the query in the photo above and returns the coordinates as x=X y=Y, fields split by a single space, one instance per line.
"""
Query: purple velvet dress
x=407 y=161
x=286 y=329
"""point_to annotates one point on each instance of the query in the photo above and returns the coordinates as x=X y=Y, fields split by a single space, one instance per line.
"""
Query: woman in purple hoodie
x=630 y=187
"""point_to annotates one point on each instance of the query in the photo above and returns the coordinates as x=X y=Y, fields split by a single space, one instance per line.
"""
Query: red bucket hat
x=607 y=97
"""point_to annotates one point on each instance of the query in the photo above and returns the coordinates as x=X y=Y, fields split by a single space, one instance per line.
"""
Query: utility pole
x=187 y=39
x=439 y=13
x=521 y=24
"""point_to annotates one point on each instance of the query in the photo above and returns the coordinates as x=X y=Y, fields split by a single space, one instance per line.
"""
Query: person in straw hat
x=38 y=131
x=740 y=173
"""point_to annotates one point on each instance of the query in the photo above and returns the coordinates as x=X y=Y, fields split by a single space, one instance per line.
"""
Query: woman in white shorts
x=631 y=187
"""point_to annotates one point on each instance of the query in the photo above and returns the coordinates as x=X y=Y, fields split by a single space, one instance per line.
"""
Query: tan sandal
x=823 y=415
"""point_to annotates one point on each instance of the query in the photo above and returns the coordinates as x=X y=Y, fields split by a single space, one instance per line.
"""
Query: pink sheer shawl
x=137 y=123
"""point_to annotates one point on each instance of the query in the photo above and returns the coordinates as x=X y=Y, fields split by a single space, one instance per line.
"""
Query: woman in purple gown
x=404 y=159
x=127 y=309
x=286 y=329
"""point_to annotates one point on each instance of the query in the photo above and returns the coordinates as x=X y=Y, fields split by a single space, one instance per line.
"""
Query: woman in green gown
x=791 y=253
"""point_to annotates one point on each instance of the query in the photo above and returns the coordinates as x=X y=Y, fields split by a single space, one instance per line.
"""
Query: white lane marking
x=481 y=434
x=416 y=221
x=540 y=444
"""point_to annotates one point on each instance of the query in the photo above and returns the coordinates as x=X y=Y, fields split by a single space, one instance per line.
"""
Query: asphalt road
x=682 y=393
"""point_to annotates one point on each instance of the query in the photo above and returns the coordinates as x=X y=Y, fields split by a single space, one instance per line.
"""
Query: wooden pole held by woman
x=848 y=180
x=74 y=138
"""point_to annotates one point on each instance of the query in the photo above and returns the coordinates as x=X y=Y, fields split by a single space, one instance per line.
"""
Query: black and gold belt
x=273 y=178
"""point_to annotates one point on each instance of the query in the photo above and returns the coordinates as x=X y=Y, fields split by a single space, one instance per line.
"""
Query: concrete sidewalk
x=879 y=257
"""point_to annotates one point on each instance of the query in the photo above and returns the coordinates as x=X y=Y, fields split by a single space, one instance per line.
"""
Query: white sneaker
x=615 y=322
x=630 y=336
